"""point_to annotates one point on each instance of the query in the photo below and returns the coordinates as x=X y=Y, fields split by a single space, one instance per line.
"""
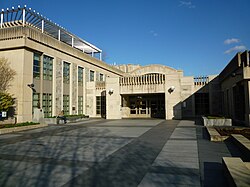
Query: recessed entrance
x=143 y=106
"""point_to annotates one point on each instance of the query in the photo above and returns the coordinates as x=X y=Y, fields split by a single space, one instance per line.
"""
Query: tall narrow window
x=80 y=76
x=66 y=72
x=91 y=75
x=47 y=67
x=98 y=105
x=36 y=101
x=101 y=77
x=66 y=104
x=80 y=104
x=36 y=65
x=47 y=104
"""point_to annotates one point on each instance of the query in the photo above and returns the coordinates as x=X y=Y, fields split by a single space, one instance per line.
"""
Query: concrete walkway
x=109 y=153
x=178 y=163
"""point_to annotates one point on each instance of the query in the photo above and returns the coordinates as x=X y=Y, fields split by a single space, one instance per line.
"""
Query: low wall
x=217 y=121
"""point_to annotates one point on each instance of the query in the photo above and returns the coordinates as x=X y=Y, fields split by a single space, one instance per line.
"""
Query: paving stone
x=6 y=136
x=108 y=131
x=210 y=157
x=185 y=123
x=159 y=180
x=178 y=164
x=161 y=157
x=39 y=130
x=184 y=133
x=175 y=171
x=95 y=151
x=132 y=122
x=131 y=162
x=114 y=151
x=177 y=154
x=10 y=166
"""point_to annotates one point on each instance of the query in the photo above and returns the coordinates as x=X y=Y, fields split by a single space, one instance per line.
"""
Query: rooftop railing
x=201 y=80
x=23 y=16
x=143 y=80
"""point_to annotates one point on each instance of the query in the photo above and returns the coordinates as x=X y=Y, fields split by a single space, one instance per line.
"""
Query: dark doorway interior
x=103 y=104
x=201 y=104
x=147 y=105
x=239 y=102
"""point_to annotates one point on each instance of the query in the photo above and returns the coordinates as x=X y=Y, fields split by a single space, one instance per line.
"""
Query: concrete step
x=243 y=143
x=214 y=135
x=236 y=172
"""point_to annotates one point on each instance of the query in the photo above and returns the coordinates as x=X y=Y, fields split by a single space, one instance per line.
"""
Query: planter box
x=214 y=135
x=217 y=122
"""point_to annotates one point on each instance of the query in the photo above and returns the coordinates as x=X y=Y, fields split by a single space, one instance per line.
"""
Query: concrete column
x=2 y=20
x=84 y=91
x=71 y=89
x=72 y=42
x=54 y=89
x=24 y=17
x=166 y=99
x=59 y=34
x=247 y=103
x=100 y=56
x=62 y=86
x=113 y=98
x=42 y=26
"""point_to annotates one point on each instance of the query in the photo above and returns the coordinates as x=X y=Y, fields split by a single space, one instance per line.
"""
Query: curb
x=17 y=129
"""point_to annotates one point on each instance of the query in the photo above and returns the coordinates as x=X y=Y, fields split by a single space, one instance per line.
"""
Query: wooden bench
x=236 y=171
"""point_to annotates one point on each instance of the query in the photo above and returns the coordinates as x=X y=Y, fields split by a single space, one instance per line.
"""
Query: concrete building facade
x=68 y=74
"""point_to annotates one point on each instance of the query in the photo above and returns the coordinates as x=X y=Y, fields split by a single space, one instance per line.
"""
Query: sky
x=199 y=37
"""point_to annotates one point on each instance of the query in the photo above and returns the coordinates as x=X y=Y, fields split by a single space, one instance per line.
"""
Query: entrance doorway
x=144 y=106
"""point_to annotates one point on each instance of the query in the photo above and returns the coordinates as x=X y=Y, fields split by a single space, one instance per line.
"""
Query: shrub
x=6 y=102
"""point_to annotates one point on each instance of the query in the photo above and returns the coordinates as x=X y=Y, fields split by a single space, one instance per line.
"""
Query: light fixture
x=111 y=91
x=32 y=87
x=171 y=89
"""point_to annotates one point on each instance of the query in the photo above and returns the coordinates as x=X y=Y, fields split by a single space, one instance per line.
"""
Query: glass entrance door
x=147 y=106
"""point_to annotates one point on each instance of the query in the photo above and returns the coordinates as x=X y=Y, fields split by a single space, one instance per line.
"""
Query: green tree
x=6 y=101
x=6 y=74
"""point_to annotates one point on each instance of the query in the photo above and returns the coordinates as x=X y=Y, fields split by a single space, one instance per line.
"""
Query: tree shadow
x=74 y=155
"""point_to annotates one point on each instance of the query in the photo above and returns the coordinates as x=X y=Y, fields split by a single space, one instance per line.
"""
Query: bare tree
x=6 y=74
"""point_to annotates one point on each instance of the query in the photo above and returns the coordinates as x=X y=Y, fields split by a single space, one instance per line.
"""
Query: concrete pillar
x=24 y=17
x=59 y=34
x=113 y=98
x=42 y=26
x=1 y=20
x=247 y=103
x=166 y=100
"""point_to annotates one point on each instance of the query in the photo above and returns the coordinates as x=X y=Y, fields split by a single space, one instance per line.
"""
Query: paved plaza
x=109 y=153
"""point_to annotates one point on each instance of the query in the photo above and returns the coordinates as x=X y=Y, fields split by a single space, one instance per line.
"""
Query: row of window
x=47 y=64
x=47 y=103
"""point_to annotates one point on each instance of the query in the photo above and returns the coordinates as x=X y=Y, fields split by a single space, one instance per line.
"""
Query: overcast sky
x=198 y=36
